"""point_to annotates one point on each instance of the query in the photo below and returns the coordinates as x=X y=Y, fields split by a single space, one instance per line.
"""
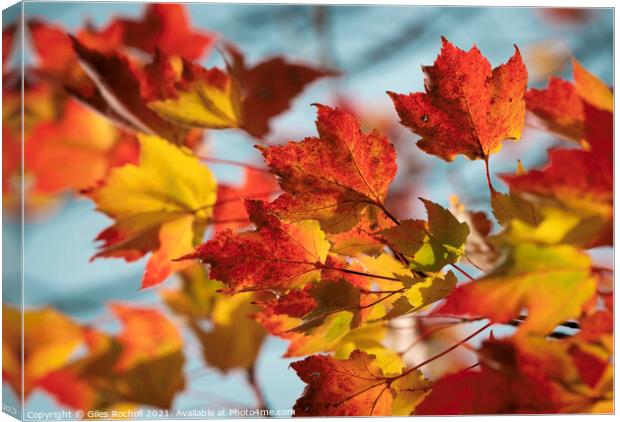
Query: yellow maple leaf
x=162 y=205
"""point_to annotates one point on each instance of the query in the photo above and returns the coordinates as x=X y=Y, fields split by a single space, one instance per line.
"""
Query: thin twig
x=261 y=402
x=462 y=271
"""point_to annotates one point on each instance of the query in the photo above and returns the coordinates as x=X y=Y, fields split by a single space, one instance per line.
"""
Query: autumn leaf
x=206 y=98
x=234 y=339
x=281 y=316
x=468 y=108
x=162 y=205
x=113 y=371
x=167 y=27
x=157 y=335
x=229 y=211
x=355 y=387
x=552 y=282
x=421 y=292
x=269 y=87
x=494 y=389
x=328 y=315
x=362 y=238
x=334 y=178
x=242 y=97
x=429 y=245
x=49 y=341
x=80 y=144
x=55 y=54
x=274 y=256
x=118 y=94
x=332 y=296
x=57 y=61
x=561 y=106
x=579 y=180
x=196 y=296
x=526 y=375
x=556 y=225
x=592 y=89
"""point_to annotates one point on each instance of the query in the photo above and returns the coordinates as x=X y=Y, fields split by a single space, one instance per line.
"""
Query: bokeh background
x=377 y=48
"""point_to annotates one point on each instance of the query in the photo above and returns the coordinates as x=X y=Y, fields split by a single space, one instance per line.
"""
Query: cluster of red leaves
x=326 y=265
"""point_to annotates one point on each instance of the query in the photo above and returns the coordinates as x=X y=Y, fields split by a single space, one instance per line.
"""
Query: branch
x=261 y=402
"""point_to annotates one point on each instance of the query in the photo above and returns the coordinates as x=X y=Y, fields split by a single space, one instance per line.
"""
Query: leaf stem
x=232 y=163
x=488 y=175
x=348 y=271
x=388 y=213
x=445 y=352
x=462 y=271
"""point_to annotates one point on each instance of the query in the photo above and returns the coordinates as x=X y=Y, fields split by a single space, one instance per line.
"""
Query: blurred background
x=377 y=48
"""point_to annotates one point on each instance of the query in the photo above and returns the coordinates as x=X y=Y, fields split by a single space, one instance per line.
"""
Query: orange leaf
x=274 y=256
x=468 y=108
x=229 y=212
x=167 y=27
x=146 y=334
x=49 y=340
x=353 y=387
x=559 y=106
x=118 y=93
x=334 y=178
x=79 y=144
x=269 y=87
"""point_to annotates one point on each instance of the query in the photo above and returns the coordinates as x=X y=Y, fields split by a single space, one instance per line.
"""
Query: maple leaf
x=592 y=89
x=552 y=282
x=117 y=94
x=421 y=292
x=329 y=315
x=523 y=375
x=57 y=62
x=229 y=211
x=578 y=180
x=556 y=225
x=242 y=97
x=331 y=297
x=334 y=178
x=113 y=371
x=561 y=106
x=157 y=335
x=234 y=339
x=167 y=27
x=274 y=256
x=162 y=205
x=489 y=390
x=80 y=143
x=429 y=245
x=370 y=338
x=196 y=297
x=281 y=316
x=53 y=48
x=355 y=387
x=362 y=238
x=269 y=87
x=206 y=98
x=49 y=340
x=468 y=108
